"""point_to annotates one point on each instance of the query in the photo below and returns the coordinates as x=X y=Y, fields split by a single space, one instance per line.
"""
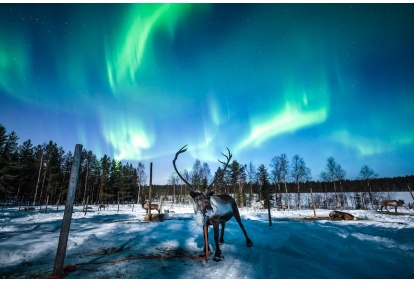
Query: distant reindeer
x=257 y=205
x=213 y=209
x=102 y=206
x=153 y=207
x=282 y=207
x=343 y=215
x=385 y=203
x=27 y=208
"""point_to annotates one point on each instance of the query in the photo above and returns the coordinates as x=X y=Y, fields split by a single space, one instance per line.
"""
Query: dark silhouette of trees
x=38 y=175
x=263 y=180
x=220 y=184
x=197 y=175
x=237 y=178
x=251 y=179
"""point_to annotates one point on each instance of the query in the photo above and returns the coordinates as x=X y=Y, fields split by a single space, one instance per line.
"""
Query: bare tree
x=282 y=170
x=173 y=180
x=340 y=176
x=330 y=174
x=366 y=174
x=40 y=152
x=87 y=158
x=196 y=174
x=324 y=177
x=142 y=178
x=299 y=173
x=276 y=177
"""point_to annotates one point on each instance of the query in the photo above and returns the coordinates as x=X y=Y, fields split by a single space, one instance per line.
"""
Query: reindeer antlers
x=224 y=169
x=184 y=149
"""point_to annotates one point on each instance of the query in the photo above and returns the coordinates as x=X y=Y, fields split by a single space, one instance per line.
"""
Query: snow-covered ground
x=377 y=245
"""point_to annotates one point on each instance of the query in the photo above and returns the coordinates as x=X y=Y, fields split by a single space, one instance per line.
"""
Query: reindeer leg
x=236 y=214
x=217 y=254
x=222 y=233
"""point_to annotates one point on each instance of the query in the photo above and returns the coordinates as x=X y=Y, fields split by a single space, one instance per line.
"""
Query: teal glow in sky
x=139 y=81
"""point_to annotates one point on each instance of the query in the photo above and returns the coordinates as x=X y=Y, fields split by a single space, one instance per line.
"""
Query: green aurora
x=139 y=81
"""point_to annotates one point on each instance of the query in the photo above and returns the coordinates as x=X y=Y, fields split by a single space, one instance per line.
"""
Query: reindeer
x=27 y=208
x=257 y=205
x=340 y=214
x=282 y=207
x=102 y=206
x=394 y=203
x=153 y=207
x=213 y=209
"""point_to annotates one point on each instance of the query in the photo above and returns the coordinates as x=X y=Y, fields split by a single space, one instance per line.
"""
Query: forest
x=39 y=176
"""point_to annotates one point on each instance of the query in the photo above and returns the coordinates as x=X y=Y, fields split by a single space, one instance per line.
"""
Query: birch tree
x=299 y=173
x=367 y=174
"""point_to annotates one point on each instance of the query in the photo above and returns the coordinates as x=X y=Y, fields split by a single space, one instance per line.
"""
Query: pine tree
x=263 y=178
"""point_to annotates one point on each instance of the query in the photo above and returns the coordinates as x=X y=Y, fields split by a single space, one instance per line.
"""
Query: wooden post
x=313 y=204
x=268 y=203
x=149 y=193
x=118 y=202
x=86 y=207
x=38 y=179
x=47 y=202
x=67 y=216
x=410 y=192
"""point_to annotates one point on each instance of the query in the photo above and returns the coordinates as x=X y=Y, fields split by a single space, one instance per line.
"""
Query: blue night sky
x=139 y=81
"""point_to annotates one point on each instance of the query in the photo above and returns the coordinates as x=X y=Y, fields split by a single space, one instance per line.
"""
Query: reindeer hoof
x=218 y=258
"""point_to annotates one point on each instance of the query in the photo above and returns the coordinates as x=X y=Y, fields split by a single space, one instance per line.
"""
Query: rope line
x=73 y=267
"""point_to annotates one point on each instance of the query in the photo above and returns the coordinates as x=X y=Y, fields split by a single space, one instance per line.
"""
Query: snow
x=378 y=245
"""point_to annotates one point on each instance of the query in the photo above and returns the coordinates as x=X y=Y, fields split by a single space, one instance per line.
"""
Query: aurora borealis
x=139 y=81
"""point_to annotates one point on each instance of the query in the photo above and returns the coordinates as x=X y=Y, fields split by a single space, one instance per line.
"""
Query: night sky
x=139 y=81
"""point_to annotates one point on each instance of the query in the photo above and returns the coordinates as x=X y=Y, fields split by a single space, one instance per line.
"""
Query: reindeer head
x=204 y=206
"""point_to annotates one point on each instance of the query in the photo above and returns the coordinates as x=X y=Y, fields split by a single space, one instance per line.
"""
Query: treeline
x=39 y=175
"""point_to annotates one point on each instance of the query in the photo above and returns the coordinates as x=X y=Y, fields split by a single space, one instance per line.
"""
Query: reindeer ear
x=192 y=194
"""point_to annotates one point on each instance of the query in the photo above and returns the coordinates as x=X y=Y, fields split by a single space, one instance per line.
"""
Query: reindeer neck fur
x=216 y=208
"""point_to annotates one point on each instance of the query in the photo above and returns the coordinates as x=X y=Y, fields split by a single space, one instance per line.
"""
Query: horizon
x=139 y=81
